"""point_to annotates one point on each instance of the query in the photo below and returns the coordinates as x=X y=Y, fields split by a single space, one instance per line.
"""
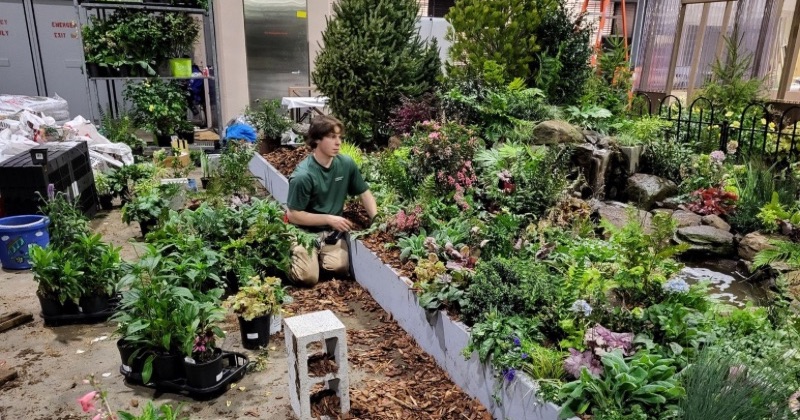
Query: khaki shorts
x=332 y=258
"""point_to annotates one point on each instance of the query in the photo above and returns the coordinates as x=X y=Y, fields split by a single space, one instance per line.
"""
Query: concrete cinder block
x=321 y=327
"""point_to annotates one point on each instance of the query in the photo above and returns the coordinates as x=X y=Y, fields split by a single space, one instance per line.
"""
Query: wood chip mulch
x=285 y=159
x=321 y=364
x=377 y=241
x=407 y=382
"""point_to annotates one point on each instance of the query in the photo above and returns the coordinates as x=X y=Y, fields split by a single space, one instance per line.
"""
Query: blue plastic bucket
x=17 y=233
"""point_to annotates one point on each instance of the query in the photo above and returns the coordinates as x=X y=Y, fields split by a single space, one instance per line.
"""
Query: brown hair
x=322 y=126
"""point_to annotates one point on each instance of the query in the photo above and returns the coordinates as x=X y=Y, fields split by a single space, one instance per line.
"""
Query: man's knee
x=305 y=267
x=335 y=258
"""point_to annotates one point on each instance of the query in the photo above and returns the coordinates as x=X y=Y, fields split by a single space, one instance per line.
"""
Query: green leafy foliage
x=540 y=178
x=269 y=118
x=371 y=58
x=498 y=334
x=58 y=275
x=151 y=412
x=504 y=32
x=646 y=381
x=609 y=86
x=510 y=286
x=732 y=87
x=643 y=130
x=666 y=158
x=159 y=107
x=67 y=222
x=120 y=130
x=756 y=182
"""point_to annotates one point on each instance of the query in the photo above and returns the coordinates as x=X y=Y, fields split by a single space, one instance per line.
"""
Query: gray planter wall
x=436 y=333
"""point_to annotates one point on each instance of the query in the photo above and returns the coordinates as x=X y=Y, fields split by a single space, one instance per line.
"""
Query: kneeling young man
x=318 y=188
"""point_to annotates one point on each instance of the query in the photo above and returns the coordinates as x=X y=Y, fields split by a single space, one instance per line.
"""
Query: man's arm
x=304 y=218
x=368 y=200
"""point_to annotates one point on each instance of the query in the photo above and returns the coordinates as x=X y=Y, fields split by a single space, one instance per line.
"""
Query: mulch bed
x=285 y=159
x=408 y=384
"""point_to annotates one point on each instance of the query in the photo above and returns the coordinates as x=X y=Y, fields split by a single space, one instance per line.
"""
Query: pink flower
x=717 y=156
x=434 y=135
x=98 y=416
x=87 y=401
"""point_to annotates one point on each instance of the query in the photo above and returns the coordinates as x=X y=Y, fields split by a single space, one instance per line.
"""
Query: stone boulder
x=717 y=222
x=752 y=243
x=617 y=214
x=645 y=189
x=706 y=239
x=687 y=218
x=556 y=132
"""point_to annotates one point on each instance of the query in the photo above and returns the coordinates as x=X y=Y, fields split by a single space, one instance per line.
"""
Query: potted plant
x=101 y=271
x=122 y=130
x=206 y=168
x=59 y=280
x=155 y=319
x=203 y=361
x=147 y=207
x=271 y=122
x=159 y=107
x=181 y=31
x=256 y=304
x=103 y=186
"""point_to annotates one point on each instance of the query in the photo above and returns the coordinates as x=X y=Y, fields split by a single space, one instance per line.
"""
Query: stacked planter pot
x=440 y=336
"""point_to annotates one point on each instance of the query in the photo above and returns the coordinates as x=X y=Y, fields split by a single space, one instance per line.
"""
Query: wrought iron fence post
x=724 y=134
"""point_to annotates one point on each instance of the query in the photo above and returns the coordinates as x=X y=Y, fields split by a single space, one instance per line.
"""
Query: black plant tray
x=233 y=370
x=81 y=318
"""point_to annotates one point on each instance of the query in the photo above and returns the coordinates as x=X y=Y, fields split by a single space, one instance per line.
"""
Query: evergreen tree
x=536 y=40
x=371 y=57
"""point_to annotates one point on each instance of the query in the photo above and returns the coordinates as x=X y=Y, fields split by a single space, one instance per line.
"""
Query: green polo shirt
x=316 y=189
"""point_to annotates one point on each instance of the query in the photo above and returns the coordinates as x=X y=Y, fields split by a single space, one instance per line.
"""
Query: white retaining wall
x=436 y=333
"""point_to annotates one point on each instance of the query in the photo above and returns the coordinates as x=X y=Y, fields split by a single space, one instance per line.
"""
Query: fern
x=783 y=251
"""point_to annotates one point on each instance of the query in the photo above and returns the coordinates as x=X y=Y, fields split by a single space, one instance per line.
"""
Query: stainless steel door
x=62 y=54
x=17 y=76
x=276 y=37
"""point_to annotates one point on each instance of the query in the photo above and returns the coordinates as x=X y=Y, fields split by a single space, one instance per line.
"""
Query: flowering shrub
x=441 y=150
x=714 y=200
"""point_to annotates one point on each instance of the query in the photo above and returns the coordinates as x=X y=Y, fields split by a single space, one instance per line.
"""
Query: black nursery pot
x=146 y=226
x=52 y=307
x=106 y=202
x=204 y=182
x=130 y=365
x=204 y=375
x=93 y=304
x=168 y=366
x=255 y=333
x=164 y=140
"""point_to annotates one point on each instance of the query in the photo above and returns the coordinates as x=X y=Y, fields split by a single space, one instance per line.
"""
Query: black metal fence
x=759 y=129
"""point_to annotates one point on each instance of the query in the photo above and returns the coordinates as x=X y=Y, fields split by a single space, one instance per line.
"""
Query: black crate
x=68 y=168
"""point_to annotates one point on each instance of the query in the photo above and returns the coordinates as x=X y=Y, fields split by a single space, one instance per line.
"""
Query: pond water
x=726 y=283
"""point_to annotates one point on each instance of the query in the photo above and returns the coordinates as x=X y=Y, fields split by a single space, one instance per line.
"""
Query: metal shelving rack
x=113 y=85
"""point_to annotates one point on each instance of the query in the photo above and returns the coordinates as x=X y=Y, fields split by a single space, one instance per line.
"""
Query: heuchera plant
x=714 y=200
x=599 y=341
x=407 y=222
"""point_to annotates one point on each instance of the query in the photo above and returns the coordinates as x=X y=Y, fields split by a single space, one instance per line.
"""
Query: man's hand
x=339 y=223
